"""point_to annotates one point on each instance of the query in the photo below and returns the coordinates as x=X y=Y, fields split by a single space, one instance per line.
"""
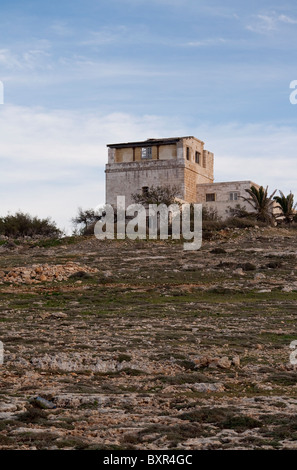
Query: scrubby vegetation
x=156 y=195
x=287 y=206
x=261 y=203
x=24 y=225
x=85 y=220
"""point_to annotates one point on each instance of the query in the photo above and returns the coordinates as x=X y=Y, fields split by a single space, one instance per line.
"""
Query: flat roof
x=149 y=142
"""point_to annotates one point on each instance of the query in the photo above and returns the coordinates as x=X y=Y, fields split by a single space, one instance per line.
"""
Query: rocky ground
x=141 y=345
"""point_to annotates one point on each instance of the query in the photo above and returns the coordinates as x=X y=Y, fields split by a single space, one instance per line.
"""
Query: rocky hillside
x=141 y=345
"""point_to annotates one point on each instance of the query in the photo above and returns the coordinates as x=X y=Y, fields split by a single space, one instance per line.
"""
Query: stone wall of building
x=183 y=163
x=224 y=195
x=195 y=174
x=123 y=179
x=200 y=172
x=177 y=161
x=133 y=154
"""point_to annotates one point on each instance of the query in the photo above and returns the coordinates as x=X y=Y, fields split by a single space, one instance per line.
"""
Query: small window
x=197 y=157
x=145 y=190
x=188 y=153
x=146 y=152
x=210 y=197
x=234 y=196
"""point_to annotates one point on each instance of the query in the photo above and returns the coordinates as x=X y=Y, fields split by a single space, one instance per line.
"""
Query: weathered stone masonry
x=176 y=161
x=180 y=161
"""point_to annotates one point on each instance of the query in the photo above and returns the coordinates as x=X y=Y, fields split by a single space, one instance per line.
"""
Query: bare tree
x=87 y=218
x=156 y=195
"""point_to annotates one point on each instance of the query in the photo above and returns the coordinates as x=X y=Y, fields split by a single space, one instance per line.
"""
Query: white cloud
x=270 y=22
x=126 y=35
x=106 y=35
x=206 y=42
x=39 y=136
x=263 y=24
x=61 y=28
x=53 y=161
x=263 y=153
x=90 y=68
x=9 y=60
x=30 y=58
x=287 y=19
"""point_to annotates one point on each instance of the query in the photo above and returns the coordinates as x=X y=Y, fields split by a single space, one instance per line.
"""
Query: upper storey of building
x=175 y=148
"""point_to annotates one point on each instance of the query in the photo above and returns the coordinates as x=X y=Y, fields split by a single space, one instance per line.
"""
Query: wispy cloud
x=107 y=35
x=269 y=22
x=125 y=35
x=8 y=60
x=89 y=68
x=51 y=156
x=262 y=24
x=28 y=59
x=62 y=28
x=254 y=152
x=287 y=19
x=206 y=42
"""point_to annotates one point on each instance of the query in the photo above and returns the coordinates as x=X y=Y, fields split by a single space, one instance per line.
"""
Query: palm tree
x=261 y=203
x=286 y=205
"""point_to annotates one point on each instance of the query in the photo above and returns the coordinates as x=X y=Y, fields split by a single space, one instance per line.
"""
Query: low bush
x=24 y=225
x=241 y=222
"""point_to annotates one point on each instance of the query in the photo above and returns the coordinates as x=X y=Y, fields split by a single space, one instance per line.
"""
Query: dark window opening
x=210 y=197
x=188 y=153
x=197 y=157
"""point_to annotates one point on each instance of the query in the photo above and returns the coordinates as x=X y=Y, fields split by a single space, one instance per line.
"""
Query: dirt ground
x=146 y=346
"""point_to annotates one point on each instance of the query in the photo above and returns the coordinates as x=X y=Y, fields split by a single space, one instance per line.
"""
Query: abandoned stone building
x=179 y=161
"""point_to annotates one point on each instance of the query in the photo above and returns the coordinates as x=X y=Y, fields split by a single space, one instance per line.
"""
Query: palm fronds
x=286 y=205
x=261 y=203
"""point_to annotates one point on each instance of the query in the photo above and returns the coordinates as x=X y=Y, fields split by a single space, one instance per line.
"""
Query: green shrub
x=241 y=222
x=213 y=225
x=240 y=212
x=210 y=214
x=22 y=225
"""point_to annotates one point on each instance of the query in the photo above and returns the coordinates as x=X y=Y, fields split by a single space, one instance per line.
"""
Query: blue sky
x=80 y=74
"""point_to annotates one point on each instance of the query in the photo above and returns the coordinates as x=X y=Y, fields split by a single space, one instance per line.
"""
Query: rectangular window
x=234 y=196
x=197 y=157
x=145 y=190
x=146 y=152
x=210 y=197
x=188 y=153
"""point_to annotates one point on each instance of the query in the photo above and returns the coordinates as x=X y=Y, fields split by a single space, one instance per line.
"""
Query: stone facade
x=221 y=196
x=179 y=161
